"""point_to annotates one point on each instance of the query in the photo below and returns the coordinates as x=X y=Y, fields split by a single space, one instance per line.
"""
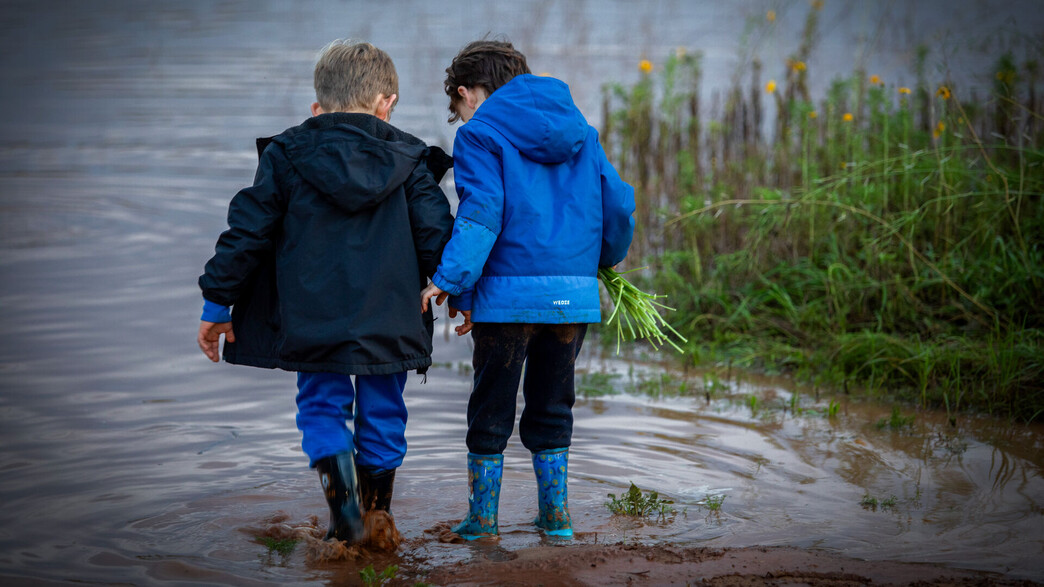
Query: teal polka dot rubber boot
x=484 y=475
x=552 y=468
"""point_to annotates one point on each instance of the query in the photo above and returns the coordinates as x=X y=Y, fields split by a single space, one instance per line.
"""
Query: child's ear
x=317 y=109
x=472 y=96
x=385 y=105
x=467 y=96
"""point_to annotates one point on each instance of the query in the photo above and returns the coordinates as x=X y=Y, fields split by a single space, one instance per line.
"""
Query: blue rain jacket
x=541 y=209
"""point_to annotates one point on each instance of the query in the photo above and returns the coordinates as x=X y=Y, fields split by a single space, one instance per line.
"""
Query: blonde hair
x=350 y=75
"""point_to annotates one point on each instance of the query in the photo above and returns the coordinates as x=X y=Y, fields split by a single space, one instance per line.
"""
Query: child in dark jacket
x=541 y=209
x=319 y=271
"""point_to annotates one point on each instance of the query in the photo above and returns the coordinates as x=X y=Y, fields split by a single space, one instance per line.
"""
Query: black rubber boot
x=337 y=474
x=375 y=489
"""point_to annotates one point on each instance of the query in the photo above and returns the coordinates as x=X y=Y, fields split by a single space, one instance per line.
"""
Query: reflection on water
x=125 y=456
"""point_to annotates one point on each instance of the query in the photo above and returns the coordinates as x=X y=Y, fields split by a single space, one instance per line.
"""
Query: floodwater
x=128 y=458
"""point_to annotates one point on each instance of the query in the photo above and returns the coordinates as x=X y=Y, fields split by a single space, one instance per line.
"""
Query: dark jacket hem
x=421 y=364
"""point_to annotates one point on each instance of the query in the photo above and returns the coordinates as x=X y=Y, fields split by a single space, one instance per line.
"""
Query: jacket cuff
x=446 y=286
x=213 y=312
x=462 y=302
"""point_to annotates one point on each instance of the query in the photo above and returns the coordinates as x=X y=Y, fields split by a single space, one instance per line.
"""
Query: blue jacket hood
x=541 y=209
x=537 y=116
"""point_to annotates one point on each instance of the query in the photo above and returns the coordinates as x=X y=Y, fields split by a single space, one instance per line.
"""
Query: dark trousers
x=548 y=352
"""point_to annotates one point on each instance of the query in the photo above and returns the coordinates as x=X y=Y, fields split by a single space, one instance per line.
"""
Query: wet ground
x=127 y=458
x=135 y=476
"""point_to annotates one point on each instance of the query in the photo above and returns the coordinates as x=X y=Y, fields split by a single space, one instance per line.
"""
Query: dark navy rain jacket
x=327 y=252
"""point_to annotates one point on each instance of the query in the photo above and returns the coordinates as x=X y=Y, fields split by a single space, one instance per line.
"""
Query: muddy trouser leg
x=500 y=351
x=549 y=388
x=546 y=426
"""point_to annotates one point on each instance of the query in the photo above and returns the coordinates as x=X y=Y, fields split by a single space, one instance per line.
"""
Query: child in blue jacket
x=541 y=209
x=319 y=271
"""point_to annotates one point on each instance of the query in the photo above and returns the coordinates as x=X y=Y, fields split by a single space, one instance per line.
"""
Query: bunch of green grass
x=636 y=313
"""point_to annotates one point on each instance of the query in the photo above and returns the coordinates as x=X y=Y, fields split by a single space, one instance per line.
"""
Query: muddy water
x=126 y=457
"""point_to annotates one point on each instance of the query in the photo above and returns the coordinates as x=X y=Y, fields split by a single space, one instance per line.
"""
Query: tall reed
x=884 y=237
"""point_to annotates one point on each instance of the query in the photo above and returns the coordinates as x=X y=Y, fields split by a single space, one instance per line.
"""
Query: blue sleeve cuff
x=445 y=285
x=215 y=312
x=462 y=302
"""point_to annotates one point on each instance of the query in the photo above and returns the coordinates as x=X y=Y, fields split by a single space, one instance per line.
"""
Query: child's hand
x=209 y=335
x=466 y=326
x=431 y=292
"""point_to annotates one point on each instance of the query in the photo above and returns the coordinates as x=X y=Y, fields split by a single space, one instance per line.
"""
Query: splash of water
x=380 y=536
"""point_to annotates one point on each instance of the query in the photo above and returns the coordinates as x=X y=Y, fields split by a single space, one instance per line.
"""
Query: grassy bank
x=877 y=238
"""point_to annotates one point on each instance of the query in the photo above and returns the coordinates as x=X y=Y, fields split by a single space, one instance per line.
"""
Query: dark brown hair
x=488 y=64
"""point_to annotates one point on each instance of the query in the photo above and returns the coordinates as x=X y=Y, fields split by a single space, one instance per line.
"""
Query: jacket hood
x=538 y=116
x=353 y=168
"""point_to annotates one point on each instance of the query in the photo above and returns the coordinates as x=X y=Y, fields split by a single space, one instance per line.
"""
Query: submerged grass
x=881 y=238
x=282 y=547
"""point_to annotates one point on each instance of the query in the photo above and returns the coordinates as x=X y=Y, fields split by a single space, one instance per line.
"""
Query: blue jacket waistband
x=545 y=299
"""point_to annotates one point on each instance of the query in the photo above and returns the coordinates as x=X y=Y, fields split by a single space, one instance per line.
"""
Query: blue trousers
x=548 y=352
x=328 y=402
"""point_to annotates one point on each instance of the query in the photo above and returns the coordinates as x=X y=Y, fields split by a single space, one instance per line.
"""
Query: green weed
x=833 y=408
x=282 y=547
x=597 y=384
x=896 y=421
x=870 y=502
x=371 y=577
x=713 y=502
x=752 y=403
x=636 y=504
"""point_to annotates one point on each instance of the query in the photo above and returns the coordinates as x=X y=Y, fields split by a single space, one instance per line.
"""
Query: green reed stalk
x=635 y=312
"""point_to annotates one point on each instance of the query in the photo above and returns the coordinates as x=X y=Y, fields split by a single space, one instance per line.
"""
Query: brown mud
x=380 y=537
x=630 y=564
x=568 y=563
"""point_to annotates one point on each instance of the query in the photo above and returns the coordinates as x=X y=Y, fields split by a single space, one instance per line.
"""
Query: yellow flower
x=904 y=90
x=943 y=92
x=847 y=117
x=645 y=65
x=798 y=65
x=812 y=114
x=940 y=127
x=770 y=16
x=876 y=80
x=770 y=86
